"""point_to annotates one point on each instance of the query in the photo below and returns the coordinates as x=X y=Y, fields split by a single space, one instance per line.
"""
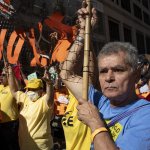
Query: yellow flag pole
x=86 y=52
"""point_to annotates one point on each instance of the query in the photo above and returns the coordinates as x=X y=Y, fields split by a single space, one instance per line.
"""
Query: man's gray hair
x=115 y=47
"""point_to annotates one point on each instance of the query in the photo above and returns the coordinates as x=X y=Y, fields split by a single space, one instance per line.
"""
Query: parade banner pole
x=86 y=52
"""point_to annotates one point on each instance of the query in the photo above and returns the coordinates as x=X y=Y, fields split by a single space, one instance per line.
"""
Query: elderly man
x=35 y=113
x=119 y=119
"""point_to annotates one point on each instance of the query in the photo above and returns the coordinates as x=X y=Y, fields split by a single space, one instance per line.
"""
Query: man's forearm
x=50 y=94
x=71 y=65
x=103 y=141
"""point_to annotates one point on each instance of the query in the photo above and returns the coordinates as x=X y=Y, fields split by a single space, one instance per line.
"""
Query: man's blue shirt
x=130 y=133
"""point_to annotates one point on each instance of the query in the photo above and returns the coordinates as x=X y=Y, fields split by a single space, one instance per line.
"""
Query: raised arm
x=49 y=88
x=69 y=74
x=12 y=82
x=72 y=67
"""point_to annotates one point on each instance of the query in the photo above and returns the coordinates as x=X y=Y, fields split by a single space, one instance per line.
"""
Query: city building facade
x=123 y=20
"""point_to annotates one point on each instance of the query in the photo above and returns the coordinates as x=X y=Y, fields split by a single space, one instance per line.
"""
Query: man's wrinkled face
x=116 y=77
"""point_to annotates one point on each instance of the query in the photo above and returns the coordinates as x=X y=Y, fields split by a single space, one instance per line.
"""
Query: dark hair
x=142 y=60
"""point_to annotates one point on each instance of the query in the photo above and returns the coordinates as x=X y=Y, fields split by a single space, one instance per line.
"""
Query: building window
x=145 y=3
x=137 y=12
x=138 y=0
x=114 y=30
x=147 y=44
x=125 y=4
x=115 y=1
x=146 y=18
x=140 y=42
x=127 y=34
